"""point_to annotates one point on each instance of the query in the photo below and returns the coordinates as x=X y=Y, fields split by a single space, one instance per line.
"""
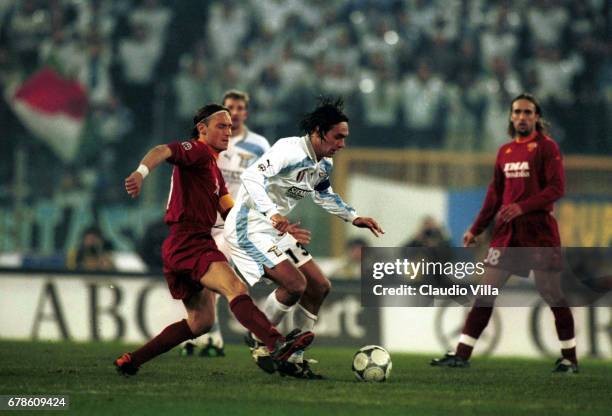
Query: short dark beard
x=525 y=133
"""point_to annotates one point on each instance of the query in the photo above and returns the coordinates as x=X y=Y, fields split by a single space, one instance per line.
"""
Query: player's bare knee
x=201 y=324
x=295 y=286
x=555 y=300
x=552 y=295
x=237 y=288
x=319 y=289
x=326 y=286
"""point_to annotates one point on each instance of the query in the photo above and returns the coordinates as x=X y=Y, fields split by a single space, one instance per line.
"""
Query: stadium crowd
x=414 y=73
x=420 y=73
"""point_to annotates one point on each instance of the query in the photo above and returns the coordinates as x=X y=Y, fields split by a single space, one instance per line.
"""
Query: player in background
x=528 y=179
x=193 y=266
x=294 y=168
x=244 y=148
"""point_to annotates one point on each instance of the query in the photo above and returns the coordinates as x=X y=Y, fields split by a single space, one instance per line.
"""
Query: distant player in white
x=295 y=167
x=244 y=148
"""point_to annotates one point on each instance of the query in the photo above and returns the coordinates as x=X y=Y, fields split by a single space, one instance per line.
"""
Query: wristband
x=143 y=170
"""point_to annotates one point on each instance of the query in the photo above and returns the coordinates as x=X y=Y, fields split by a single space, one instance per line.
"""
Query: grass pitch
x=234 y=385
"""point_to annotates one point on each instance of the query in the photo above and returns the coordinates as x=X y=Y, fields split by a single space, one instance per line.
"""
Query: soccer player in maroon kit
x=193 y=266
x=528 y=179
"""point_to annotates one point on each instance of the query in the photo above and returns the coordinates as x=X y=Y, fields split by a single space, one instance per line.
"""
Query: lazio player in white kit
x=256 y=228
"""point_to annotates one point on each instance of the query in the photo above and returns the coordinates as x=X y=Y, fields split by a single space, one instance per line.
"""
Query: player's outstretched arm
x=155 y=156
x=326 y=198
x=370 y=223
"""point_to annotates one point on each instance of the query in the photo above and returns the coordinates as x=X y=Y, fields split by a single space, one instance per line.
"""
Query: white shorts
x=254 y=243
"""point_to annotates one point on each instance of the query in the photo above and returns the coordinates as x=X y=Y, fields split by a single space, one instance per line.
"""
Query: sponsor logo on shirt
x=186 y=145
x=516 y=169
x=264 y=166
x=297 y=193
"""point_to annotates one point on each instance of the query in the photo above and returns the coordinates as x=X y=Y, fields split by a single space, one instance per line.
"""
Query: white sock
x=467 y=340
x=274 y=310
x=303 y=319
x=297 y=357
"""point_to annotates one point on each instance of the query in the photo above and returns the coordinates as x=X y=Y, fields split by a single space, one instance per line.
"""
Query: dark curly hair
x=328 y=113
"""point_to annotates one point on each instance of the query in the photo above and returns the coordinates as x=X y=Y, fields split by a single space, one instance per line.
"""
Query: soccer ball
x=372 y=363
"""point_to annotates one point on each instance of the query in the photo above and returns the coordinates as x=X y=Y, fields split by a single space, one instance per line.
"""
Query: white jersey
x=284 y=175
x=287 y=173
x=241 y=153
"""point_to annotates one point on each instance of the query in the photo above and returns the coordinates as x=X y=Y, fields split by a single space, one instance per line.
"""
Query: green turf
x=234 y=385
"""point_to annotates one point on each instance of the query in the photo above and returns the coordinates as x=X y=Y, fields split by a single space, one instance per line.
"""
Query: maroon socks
x=243 y=309
x=564 y=322
x=476 y=321
x=254 y=320
x=478 y=318
x=169 y=338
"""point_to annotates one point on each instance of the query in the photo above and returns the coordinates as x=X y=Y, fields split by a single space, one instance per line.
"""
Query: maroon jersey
x=529 y=173
x=197 y=186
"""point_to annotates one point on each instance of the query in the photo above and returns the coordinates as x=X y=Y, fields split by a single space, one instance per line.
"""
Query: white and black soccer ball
x=372 y=363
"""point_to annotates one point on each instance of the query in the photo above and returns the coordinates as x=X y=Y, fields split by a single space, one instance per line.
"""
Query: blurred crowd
x=414 y=74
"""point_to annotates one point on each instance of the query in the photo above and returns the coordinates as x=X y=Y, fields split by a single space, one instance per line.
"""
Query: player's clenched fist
x=133 y=184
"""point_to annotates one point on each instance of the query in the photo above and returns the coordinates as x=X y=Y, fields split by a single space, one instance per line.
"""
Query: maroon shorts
x=187 y=256
x=530 y=242
x=535 y=229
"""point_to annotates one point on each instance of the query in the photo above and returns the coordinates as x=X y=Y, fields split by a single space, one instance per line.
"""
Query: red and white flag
x=53 y=109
